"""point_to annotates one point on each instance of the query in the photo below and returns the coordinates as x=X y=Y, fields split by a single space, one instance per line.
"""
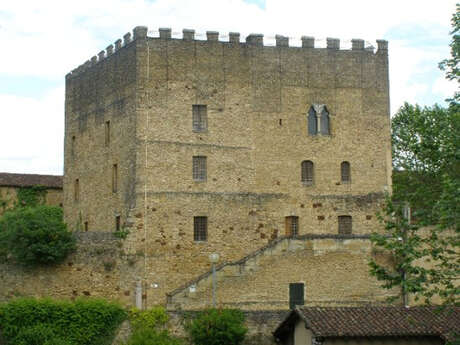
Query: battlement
x=233 y=38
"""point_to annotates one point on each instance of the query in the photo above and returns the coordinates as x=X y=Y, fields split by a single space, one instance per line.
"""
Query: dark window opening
x=115 y=178
x=345 y=225
x=292 y=226
x=312 y=122
x=107 y=133
x=345 y=172
x=199 y=168
x=307 y=172
x=200 y=229
x=200 y=118
x=77 y=190
x=117 y=223
x=324 y=121
x=86 y=226
x=296 y=295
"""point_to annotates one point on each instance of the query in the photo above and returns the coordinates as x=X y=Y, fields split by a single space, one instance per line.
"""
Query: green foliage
x=218 y=326
x=122 y=233
x=31 y=196
x=152 y=337
x=148 y=327
x=46 y=322
x=426 y=146
x=148 y=319
x=452 y=65
x=35 y=235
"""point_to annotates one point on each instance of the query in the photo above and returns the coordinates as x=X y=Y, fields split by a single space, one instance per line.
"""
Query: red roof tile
x=378 y=321
x=29 y=180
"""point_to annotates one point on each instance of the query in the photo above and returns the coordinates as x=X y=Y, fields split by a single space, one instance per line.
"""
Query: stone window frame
x=345 y=172
x=117 y=223
x=199 y=168
x=72 y=146
x=291 y=289
x=291 y=226
x=318 y=120
x=200 y=118
x=307 y=172
x=345 y=224
x=200 y=228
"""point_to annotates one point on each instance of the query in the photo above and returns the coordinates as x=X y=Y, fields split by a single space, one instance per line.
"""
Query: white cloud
x=445 y=88
x=31 y=135
x=49 y=38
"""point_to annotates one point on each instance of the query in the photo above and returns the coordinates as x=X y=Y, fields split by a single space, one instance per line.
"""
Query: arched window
x=325 y=121
x=345 y=172
x=307 y=172
x=312 y=122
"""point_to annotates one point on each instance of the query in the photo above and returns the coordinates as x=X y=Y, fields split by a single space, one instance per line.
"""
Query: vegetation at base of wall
x=149 y=328
x=31 y=196
x=121 y=234
x=35 y=235
x=217 y=326
x=28 y=321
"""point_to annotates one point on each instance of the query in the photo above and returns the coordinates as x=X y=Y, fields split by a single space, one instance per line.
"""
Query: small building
x=49 y=188
x=393 y=325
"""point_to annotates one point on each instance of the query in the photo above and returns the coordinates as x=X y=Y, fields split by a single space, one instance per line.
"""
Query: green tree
x=426 y=159
x=217 y=327
x=35 y=235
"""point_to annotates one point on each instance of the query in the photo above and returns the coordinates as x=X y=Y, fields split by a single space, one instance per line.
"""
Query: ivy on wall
x=31 y=196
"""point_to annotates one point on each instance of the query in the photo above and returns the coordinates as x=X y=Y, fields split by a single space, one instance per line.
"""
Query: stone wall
x=257 y=100
x=8 y=197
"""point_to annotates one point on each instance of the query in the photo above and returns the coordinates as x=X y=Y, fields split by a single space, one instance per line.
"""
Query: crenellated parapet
x=253 y=39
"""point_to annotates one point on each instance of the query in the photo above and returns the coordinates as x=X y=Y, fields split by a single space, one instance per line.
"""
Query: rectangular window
x=200 y=229
x=292 y=226
x=76 y=195
x=200 y=118
x=115 y=178
x=296 y=295
x=86 y=226
x=345 y=225
x=117 y=223
x=107 y=133
x=199 y=168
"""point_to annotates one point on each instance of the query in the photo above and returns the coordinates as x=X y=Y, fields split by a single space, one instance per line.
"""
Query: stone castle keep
x=275 y=157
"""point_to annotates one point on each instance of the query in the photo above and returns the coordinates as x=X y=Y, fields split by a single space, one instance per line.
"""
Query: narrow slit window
x=296 y=295
x=200 y=118
x=199 y=168
x=76 y=195
x=86 y=226
x=117 y=223
x=72 y=146
x=307 y=172
x=292 y=225
x=107 y=133
x=345 y=172
x=115 y=178
x=200 y=229
x=345 y=225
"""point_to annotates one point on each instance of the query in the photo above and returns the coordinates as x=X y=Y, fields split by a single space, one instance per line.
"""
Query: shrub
x=35 y=235
x=48 y=322
x=148 y=328
x=217 y=327
x=154 y=318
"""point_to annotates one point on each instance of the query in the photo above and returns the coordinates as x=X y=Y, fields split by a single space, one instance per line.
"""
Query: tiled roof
x=29 y=180
x=377 y=321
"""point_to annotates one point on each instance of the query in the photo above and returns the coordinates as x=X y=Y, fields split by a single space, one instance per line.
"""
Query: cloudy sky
x=43 y=40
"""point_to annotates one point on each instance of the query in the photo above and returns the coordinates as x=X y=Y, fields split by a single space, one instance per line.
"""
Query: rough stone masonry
x=190 y=147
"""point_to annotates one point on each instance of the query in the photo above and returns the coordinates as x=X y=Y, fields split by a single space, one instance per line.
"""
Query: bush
x=47 y=322
x=35 y=235
x=148 y=328
x=217 y=327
